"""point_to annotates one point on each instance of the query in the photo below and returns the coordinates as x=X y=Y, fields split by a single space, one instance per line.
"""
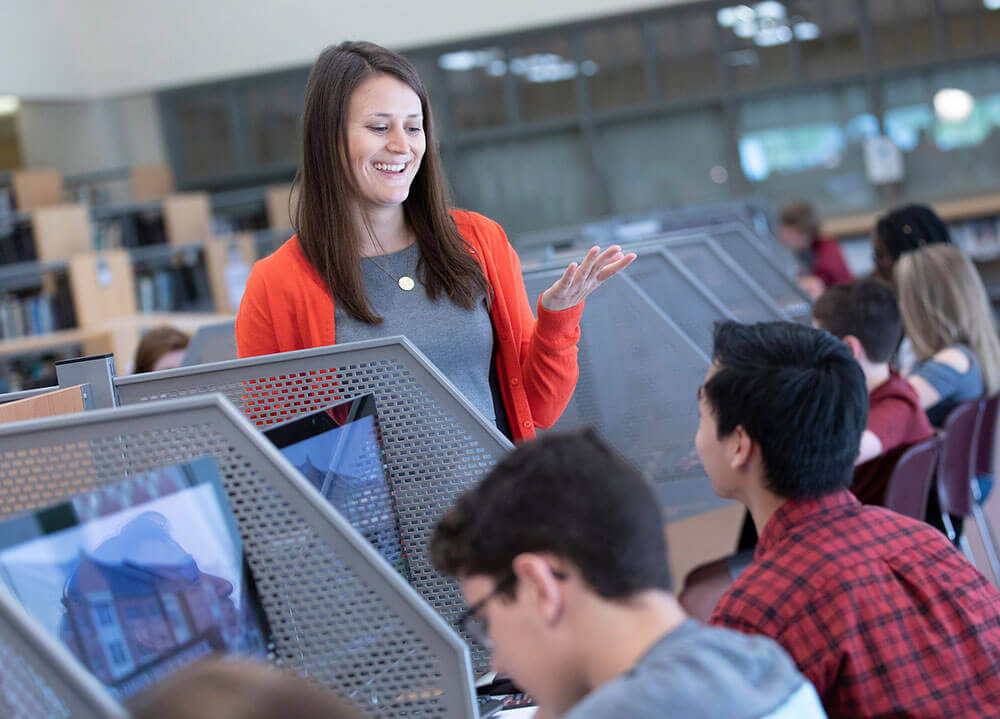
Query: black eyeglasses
x=476 y=626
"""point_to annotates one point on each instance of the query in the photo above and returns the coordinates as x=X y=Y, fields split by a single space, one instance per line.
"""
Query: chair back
x=910 y=481
x=958 y=449
x=987 y=436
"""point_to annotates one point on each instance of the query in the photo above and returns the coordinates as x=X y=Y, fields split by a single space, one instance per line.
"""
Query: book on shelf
x=35 y=314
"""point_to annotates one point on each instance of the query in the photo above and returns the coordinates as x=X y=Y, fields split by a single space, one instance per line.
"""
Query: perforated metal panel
x=211 y=343
x=41 y=680
x=338 y=612
x=436 y=444
x=639 y=375
x=678 y=293
x=767 y=264
x=726 y=280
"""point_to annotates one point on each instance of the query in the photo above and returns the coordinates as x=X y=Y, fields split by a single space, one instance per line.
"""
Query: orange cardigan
x=287 y=307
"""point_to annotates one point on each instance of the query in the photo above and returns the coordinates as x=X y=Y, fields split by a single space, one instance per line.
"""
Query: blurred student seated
x=561 y=557
x=879 y=611
x=903 y=230
x=229 y=689
x=950 y=324
x=865 y=316
x=820 y=259
x=160 y=348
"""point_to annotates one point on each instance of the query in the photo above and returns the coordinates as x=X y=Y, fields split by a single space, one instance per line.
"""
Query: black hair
x=799 y=394
x=909 y=228
x=866 y=309
x=569 y=494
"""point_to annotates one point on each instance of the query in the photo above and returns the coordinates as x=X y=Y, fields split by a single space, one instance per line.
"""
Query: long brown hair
x=944 y=303
x=324 y=217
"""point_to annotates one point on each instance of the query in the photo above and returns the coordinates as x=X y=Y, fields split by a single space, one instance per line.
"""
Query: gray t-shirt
x=706 y=672
x=458 y=341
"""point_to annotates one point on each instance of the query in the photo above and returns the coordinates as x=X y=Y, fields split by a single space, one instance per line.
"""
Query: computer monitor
x=338 y=450
x=138 y=578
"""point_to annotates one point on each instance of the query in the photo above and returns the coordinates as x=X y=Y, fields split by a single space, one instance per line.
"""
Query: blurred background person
x=228 y=689
x=160 y=348
x=821 y=263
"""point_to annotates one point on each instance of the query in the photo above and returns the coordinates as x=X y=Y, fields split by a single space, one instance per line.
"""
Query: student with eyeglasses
x=561 y=558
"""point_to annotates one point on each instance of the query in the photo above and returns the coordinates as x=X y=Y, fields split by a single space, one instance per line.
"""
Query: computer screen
x=138 y=578
x=338 y=450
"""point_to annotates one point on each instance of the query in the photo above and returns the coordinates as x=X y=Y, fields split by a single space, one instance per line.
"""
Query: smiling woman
x=378 y=252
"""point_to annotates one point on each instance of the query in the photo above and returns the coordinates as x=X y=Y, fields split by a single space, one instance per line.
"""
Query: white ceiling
x=63 y=49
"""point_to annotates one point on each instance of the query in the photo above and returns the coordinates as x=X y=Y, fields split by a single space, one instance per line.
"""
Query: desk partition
x=639 y=375
x=39 y=679
x=436 y=444
x=338 y=612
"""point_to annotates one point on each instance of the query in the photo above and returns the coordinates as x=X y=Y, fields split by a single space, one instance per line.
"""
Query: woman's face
x=385 y=140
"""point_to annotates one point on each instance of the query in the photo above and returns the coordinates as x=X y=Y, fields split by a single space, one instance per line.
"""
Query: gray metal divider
x=436 y=444
x=639 y=375
x=39 y=678
x=25 y=394
x=338 y=612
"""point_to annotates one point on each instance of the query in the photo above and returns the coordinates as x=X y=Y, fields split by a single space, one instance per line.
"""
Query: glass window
x=951 y=146
x=103 y=613
x=615 y=65
x=756 y=40
x=530 y=183
x=670 y=161
x=475 y=81
x=117 y=652
x=809 y=146
x=274 y=109
x=902 y=32
x=204 y=134
x=829 y=36
x=546 y=76
x=685 y=46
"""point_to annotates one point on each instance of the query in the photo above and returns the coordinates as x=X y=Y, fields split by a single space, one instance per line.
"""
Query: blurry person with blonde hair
x=950 y=323
x=229 y=689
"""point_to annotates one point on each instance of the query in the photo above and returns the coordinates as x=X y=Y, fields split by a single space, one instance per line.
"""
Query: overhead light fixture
x=768 y=24
x=469 y=59
x=953 y=105
x=9 y=104
x=806 y=30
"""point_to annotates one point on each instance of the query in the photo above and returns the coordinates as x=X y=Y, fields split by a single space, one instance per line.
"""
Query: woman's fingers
x=583 y=272
x=610 y=270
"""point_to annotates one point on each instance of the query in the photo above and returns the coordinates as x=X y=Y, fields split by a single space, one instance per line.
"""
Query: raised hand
x=579 y=280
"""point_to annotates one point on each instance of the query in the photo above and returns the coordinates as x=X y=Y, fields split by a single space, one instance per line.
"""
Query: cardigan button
x=514 y=382
x=527 y=424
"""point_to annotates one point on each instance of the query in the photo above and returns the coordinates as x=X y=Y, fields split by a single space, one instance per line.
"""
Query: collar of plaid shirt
x=793 y=512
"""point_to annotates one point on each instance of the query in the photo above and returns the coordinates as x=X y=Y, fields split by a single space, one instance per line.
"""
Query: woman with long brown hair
x=378 y=252
x=949 y=321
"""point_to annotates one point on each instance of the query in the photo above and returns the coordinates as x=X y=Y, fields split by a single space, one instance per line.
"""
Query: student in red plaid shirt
x=879 y=611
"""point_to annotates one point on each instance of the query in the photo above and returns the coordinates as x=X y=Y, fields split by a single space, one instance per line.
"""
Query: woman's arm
x=254 y=325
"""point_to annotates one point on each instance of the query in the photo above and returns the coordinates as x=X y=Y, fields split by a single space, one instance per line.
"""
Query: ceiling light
x=9 y=104
x=770 y=9
x=771 y=36
x=807 y=30
x=469 y=59
x=953 y=105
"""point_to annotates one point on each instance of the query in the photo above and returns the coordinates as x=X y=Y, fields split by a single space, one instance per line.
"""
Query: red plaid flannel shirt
x=879 y=611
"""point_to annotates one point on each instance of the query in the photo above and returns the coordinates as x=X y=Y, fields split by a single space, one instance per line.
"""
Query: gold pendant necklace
x=405 y=282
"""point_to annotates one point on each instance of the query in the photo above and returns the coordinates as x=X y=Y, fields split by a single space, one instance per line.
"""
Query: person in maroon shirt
x=879 y=611
x=822 y=262
x=864 y=314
